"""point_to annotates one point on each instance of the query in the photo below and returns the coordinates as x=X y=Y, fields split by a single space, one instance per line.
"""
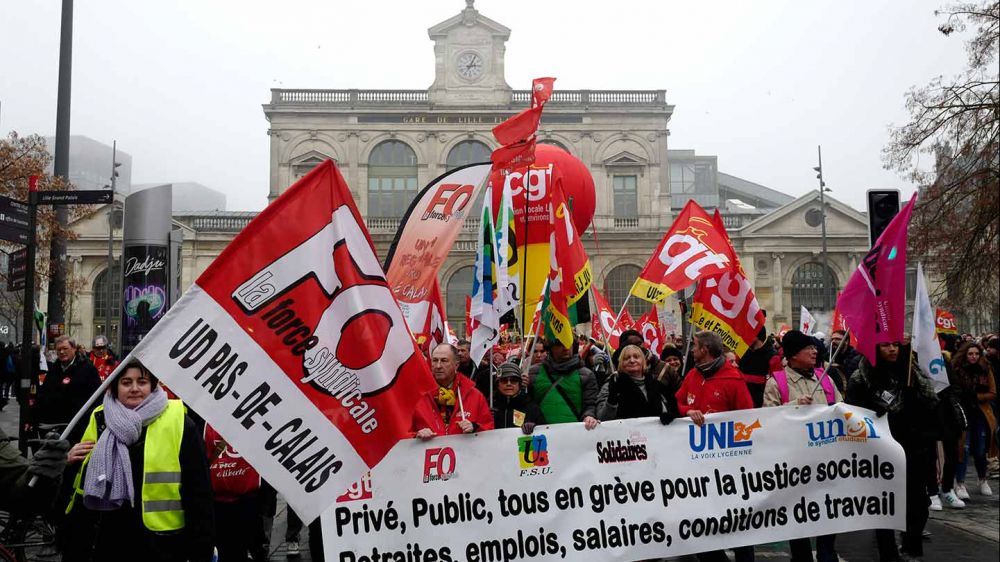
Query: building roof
x=752 y=193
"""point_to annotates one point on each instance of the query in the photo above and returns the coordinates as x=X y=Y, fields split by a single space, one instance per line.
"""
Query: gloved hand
x=666 y=418
x=527 y=428
x=613 y=394
x=49 y=461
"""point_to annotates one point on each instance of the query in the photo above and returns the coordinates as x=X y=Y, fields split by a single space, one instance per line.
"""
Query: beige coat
x=797 y=386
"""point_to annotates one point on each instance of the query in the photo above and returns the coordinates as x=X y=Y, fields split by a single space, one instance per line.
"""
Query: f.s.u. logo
x=341 y=261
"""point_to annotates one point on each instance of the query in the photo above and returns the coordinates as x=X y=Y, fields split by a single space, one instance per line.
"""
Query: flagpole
x=847 y=336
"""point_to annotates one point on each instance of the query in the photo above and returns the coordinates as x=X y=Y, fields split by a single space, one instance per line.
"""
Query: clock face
x=469 y=65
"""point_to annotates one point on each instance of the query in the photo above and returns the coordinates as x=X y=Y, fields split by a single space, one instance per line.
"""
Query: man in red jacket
x=456 y=406
x=714 y=385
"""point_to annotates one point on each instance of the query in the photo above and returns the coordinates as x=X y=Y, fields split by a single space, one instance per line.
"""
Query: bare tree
x=956 y=120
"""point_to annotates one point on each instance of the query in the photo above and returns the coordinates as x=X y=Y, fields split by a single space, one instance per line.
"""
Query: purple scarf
x=108 y=483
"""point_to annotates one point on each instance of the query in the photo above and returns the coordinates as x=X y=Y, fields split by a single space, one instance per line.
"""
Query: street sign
x=84 y=197
x=13 y=213
x=17 y=268
x=13 y=234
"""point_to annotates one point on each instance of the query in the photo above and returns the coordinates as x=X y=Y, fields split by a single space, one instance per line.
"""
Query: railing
x=220 y=224
x=415 y=97
x=382 y=224
x=626 y=223
x=351 y=97
x=738 y=221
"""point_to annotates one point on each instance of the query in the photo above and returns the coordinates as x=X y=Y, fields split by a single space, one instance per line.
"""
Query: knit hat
x=671 y=351
x=631 y=333
x=794 y=342
x=508 y=370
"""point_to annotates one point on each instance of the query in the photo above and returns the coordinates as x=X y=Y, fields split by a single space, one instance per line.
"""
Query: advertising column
x=145 y=263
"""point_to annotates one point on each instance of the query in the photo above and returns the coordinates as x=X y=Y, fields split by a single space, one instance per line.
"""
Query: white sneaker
x=935 y=503
x=292 y=549
x=961 y=491
x=984 y=488
x=951 y=500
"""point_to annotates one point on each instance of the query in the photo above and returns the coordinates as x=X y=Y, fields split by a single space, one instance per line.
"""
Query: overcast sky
x=180 y=83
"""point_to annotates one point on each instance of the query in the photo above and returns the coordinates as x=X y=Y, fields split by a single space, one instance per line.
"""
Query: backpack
x=781 y=378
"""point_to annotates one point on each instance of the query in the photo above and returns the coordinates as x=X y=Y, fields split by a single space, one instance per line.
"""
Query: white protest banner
x=292 y=347
x=628 y=490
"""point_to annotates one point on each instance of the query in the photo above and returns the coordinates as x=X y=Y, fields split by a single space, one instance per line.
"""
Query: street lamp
x=111 y=236
x=822 y=205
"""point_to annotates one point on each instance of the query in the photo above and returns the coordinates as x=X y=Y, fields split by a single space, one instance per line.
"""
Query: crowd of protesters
x=223 y=507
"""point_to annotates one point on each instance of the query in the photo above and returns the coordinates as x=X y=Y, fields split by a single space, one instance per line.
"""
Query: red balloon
x=578 y=184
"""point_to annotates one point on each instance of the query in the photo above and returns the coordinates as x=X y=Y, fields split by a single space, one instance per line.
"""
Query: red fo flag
x=292 y=346
x=541 y=90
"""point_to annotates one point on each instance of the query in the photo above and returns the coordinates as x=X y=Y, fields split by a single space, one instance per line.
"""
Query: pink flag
x=873 y=302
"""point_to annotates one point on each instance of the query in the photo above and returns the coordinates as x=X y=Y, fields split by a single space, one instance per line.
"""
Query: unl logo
x=331 y=357
x=724 y=435
x=439 y=464
x=449 y=199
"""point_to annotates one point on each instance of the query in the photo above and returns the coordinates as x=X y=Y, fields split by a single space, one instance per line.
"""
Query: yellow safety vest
x=161 y=469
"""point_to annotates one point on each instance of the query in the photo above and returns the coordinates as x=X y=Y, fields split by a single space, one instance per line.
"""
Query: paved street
x=972 y=534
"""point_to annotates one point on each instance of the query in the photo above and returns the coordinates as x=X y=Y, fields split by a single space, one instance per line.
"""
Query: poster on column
x=628 y=490
x=144 y=291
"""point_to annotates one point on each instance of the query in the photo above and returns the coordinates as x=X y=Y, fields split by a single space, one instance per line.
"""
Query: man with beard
x=896 y=386
x=563 y=388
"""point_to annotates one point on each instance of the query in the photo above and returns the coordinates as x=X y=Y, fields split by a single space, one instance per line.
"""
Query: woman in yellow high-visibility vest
x=143 y=490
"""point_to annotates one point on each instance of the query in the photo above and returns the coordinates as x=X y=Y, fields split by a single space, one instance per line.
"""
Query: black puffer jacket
x=504 y=408
x=884 y=389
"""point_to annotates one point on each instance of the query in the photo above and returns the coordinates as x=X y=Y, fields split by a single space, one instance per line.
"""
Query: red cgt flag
x=693 y=248
x=726 y=304
x=604 y=324
x=292 y=346
x=651 y=330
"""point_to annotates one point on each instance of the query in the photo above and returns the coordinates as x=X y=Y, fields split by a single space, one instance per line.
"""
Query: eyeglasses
x=510 y=380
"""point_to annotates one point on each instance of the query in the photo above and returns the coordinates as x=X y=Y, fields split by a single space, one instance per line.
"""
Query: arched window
x=101 y=325
x=816 y=292
x=553 y=142
x=303 y=165
x=392 y=179
x=617 y=285
x=467 y=152
x=459 y=287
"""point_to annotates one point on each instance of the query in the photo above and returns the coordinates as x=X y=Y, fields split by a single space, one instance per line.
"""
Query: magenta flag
x=873 y=302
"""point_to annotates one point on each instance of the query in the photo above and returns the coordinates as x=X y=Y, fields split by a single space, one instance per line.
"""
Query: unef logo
x=852 y=427
x=360 y=490
x=533 y=455
x=449 y=200
x=722 y=439
x=439 y=464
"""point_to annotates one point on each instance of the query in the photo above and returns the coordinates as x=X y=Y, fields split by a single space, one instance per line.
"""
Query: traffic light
x=883 y=205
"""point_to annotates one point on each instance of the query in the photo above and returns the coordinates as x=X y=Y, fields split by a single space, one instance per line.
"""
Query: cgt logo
x=360 y=490
x=439 y=464
x=533 y=455
x=852 y=427
x=449 y=200
x=722 y=439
